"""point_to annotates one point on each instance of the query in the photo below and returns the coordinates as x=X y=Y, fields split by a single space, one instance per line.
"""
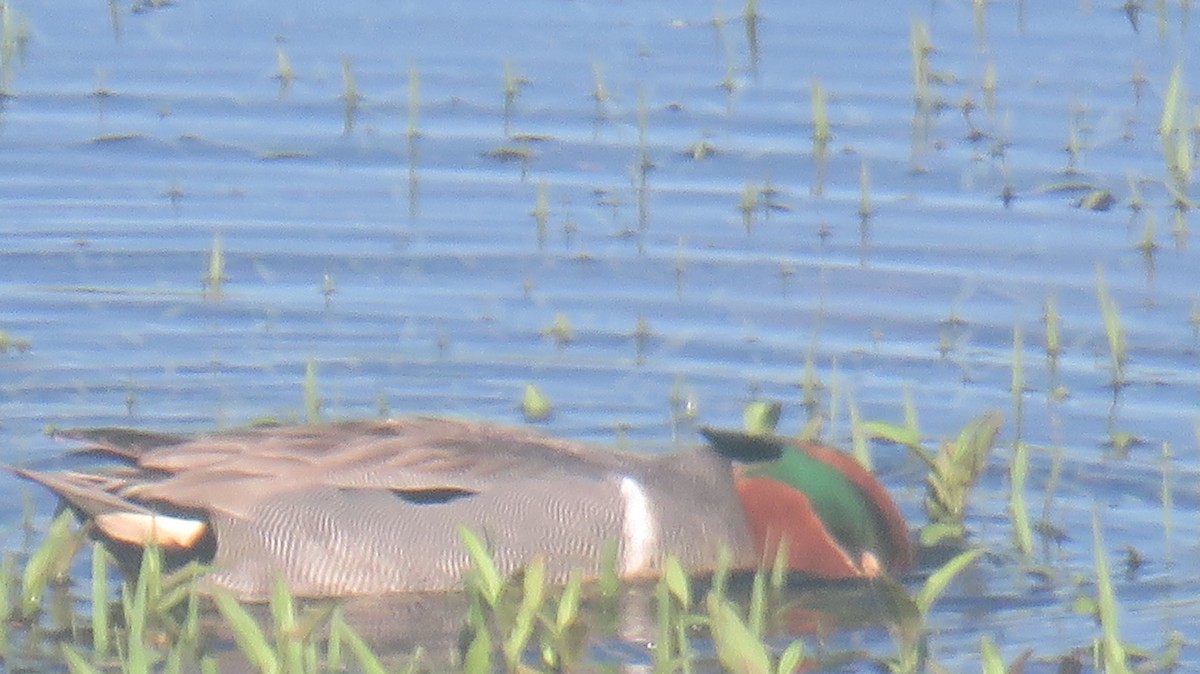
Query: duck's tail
x=743 y=447
x=115 y=518
x=122 y=443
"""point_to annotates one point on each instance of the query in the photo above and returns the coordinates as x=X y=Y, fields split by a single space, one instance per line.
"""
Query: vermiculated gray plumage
x=370 y=507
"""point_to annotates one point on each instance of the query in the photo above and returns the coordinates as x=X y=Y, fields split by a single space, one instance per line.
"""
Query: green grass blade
x=1022 y=531
x=677 y=582
x=990 y=657
x=488 y=575
x=1113 y=649
x=368 y=662
x=790 y=659
x=39 y=570
x=283 y=614
x=76 y=663
x=246 y=632
x=99 y=601
x=939 y=580
x=739 y=650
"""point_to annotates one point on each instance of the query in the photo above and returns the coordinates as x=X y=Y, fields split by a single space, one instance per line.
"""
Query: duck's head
x=837 y=519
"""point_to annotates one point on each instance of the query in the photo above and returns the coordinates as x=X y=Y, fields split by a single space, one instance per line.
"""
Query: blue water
x=442 y=289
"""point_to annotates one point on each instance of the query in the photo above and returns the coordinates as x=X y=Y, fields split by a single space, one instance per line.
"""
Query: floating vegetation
x=560 y=330
x=989 y=87
x=865 y=207
x=541 y=212
x=283 y=65
x=821 y=135
x=1017 y=473
x=271 y=155
x=535 y=405
x=701 y=149
x=513 y=83
x=14 y=34
x=511 y=153
x=1051 y=319
x=1174 y=130
x=642 y=334
x=215 y=277
x=312 y=393
x=414 y=101
x=599 y=90
x=106 y=138
x=761 y=417
x=351 y=98
x=953 y=469
x=1097 y=200
x=1113 y=329
x=8 y=341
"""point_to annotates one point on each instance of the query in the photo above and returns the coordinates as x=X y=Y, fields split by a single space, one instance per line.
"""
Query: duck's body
x=370 y=507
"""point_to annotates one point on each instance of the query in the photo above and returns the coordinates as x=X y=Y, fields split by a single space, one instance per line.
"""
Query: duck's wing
x=415 y=457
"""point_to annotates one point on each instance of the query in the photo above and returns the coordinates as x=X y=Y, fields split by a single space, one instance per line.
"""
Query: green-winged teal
x=371 y=507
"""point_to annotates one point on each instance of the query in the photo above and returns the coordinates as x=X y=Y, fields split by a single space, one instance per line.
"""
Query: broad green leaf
x=760 y=417
x=478 y=659
x=738 y=649
x=535 y=405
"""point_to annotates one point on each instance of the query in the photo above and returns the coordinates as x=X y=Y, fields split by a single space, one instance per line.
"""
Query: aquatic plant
x=953 y=468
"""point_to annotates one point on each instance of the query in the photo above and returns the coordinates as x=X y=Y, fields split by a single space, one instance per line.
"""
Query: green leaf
x=535 y=405
x=940 y=579
x=99 y=601
x=246 y=632
x=489 y=580
x=367 y=660
x=761 y=417
x=991 y=660
x=478 y=659
x=568 y=603
x=76 y=664
x=609 y=582
x=738 y=649
x=935 y=532
x=283 y=614
x=39 y=570
x=1113 y=649
x=534 y=586
x=789 y=660
x=1020 y=518
x=677 y=581
x=902 y=435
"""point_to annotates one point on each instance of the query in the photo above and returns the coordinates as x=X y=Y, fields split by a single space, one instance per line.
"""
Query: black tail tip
x=742 y=446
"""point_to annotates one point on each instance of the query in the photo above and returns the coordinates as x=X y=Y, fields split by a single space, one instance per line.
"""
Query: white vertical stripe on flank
x=639 y=528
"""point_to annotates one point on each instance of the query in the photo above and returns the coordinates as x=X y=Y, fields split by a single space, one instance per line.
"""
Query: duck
x=376 y=507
